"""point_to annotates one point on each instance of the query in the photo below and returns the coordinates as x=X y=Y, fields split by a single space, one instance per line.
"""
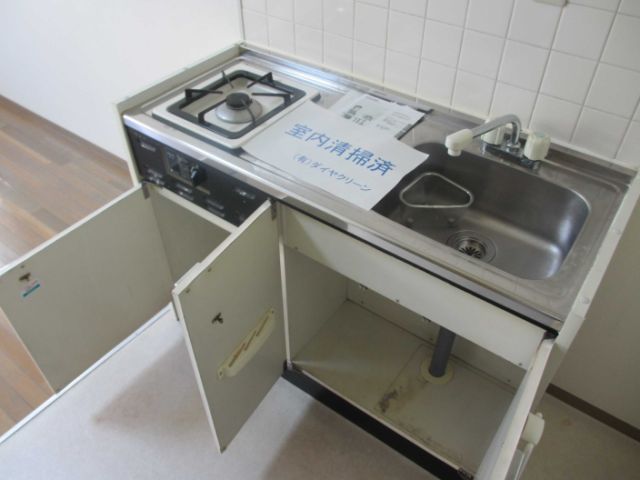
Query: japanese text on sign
x=331 y=172
x=321 y=149
x=356 y=155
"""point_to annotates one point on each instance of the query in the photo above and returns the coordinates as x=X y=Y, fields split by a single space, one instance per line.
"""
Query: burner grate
x=267 y=79
x=197 y=93
x=194 y=106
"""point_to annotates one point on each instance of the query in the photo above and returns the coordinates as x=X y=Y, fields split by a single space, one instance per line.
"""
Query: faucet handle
x=537 y=146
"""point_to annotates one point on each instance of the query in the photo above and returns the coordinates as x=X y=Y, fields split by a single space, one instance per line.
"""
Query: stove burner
x=239 y=107
x=238 y=101
x=235 y=103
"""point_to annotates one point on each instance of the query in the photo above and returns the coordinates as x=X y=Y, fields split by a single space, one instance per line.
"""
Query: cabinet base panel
x=372 y=426
x=376 y=366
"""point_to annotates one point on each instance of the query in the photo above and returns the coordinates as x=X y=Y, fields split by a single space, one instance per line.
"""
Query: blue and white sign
x=323 y=149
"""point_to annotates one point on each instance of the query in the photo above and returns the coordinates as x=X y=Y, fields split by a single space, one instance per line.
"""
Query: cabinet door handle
x=249 y=346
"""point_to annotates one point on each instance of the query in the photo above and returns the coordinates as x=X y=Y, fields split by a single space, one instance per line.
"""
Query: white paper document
x=369 y=111
x=320 y=148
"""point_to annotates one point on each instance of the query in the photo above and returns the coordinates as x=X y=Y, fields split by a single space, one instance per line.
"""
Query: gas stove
x=231 y=106
x=223 y=107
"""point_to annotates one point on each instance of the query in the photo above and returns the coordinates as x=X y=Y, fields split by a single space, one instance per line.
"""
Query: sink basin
x=518 y=222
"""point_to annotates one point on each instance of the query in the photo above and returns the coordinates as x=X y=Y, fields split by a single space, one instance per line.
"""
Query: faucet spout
x=516 y=129
x=457 y=141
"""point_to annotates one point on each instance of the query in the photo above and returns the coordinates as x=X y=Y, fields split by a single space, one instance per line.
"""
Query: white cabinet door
x=497 y=463
x=231 y=308
x=75 y=297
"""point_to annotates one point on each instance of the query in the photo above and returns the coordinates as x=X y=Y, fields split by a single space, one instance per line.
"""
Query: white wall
x=603 y=364
x=573 y=72
x=70 y=60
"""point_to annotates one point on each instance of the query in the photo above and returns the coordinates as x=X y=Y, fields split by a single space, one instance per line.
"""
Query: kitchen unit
x=267 y=273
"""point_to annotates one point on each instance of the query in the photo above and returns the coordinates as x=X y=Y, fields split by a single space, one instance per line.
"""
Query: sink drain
x=473 y=244
x=471 y=247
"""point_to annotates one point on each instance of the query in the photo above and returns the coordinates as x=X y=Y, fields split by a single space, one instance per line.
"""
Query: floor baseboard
x=594 y=412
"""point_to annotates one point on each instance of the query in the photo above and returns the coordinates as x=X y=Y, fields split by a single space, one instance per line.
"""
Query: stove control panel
x=211 y=189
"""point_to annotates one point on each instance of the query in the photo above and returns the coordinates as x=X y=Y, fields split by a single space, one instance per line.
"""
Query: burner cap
x=239 y=107
x=238 y=101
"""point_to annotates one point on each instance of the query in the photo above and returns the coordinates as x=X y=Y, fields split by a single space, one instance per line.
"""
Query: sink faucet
x=456 y=141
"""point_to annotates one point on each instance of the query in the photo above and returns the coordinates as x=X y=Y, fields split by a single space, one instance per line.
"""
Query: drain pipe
x=441 y=352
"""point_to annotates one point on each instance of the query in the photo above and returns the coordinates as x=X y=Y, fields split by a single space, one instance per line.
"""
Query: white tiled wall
x=573 y=72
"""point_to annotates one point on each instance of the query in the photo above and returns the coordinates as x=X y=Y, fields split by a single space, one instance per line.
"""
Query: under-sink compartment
x=373 y=352
x=75 y=297
x=378 y=367
x=445 y=304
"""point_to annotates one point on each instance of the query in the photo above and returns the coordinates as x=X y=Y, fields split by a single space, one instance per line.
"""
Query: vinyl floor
x=139 y=415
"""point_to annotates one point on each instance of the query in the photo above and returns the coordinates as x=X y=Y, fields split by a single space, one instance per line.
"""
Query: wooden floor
x=49 y=179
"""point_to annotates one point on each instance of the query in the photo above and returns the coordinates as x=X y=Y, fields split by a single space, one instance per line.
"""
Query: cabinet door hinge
x=464 y=474
x=274 y=209
x=145 y=189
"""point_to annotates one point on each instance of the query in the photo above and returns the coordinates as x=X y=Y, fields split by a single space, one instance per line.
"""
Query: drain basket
x=435 y=199
x=473 y=244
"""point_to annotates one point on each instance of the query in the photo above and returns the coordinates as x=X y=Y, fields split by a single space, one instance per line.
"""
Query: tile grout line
x=266 y=8
x=293 y=20
x=457 y=68
x=353 y=35
x=322 y=52
x=544 y=70
x=424 y=32
x=627 y=130
x=243 y=33
x=593 y=77
x=420 y=59
x=322 y=49
x=385 y=48
x=501 y=62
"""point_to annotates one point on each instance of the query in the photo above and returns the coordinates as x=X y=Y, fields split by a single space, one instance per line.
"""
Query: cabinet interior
x=369 y=350
x=188 y=233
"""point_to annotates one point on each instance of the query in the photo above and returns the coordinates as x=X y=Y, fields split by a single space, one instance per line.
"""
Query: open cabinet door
x=76 y=296
x=231 y=308
x=497 y=463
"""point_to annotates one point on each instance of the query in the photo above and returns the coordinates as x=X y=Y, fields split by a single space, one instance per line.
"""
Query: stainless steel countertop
x=546 y=302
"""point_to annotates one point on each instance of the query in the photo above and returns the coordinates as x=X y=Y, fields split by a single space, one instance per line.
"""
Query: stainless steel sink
x=518 y=221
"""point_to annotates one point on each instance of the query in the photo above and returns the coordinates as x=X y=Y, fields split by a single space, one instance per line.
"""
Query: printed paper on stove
x=320 y=148
x=382 y=115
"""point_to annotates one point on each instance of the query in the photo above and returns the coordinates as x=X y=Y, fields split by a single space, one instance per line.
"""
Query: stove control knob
x=197 y=175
